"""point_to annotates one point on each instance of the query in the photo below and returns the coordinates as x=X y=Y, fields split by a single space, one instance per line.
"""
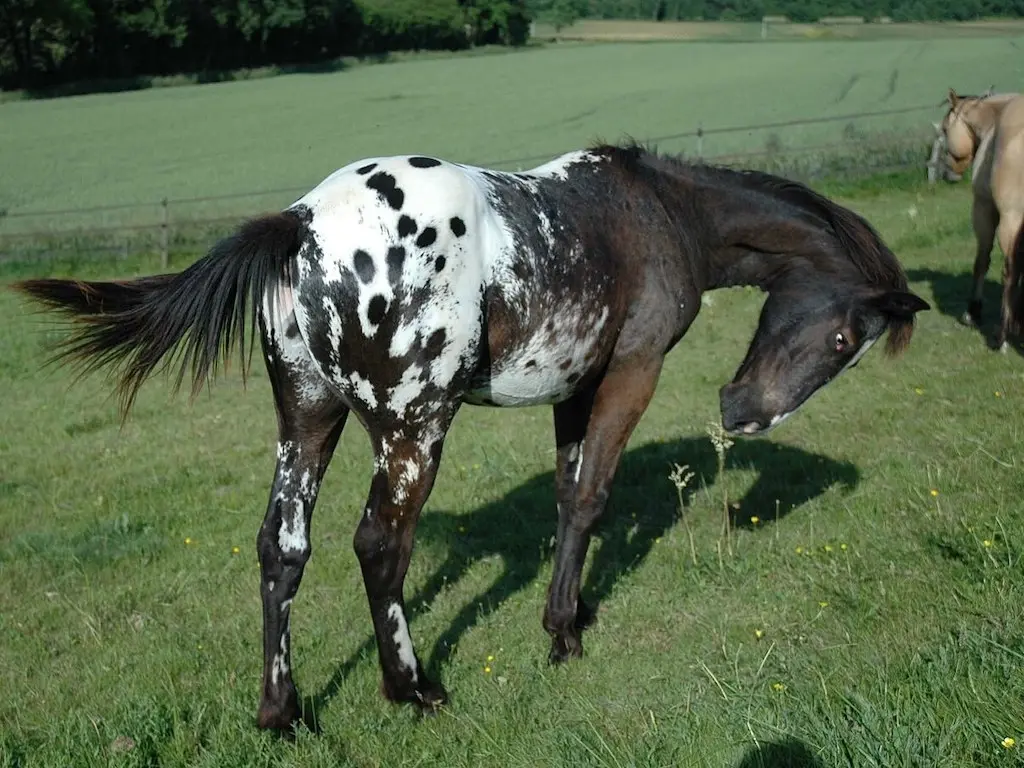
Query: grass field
x=873 y=615
x=281 y=135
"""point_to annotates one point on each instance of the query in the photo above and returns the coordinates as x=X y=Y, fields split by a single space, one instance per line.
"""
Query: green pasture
x=865 y=606
x=268 y=140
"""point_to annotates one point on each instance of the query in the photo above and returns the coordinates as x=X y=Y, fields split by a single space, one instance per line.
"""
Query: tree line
x=47 y=42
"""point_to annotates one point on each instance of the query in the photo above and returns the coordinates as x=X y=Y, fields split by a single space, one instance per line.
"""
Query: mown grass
x=269 y=140
x=872 y=615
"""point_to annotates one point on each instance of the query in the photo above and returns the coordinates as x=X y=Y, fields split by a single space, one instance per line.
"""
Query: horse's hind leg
x=585 y=472
x=310 y=420
x=405 y=466
x=1009 y=231
x=985 y=219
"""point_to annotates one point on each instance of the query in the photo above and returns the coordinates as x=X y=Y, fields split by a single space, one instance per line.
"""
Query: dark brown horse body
x=403 y=287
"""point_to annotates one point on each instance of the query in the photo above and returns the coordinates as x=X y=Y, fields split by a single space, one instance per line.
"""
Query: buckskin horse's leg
x=1009 y=231
x=619 y=401
x=985 y=218
x=405 y=466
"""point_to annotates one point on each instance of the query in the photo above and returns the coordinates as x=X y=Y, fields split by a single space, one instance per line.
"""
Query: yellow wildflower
x=188 y=540
x=1009 y=742
x=755 y=520
x=235 y=550
x=823 y=603
x=778 y=687
x=842 y=547
x=758 y=633
x=490 y=658
x=828 y=547
x=487 y=670
x=999 y=394
x=799 y=550
x=987 y=542
x=919 y=390
x=933 y=492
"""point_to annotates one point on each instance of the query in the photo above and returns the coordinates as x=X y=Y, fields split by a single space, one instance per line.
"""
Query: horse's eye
x=840 y=342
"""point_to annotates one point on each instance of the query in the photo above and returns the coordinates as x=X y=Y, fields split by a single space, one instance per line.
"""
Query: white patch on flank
x=402 y=640
x=515 y=384
x=292 y=535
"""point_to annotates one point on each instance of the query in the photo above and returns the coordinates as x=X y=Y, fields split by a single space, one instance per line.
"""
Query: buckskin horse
x=403 y=287
x=986 y=133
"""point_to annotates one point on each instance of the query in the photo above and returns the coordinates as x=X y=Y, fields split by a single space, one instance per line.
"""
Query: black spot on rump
x=435 y=342
x=458 y=226
x=406 y=226
x=375 y=311
x=423 y=162
x=366 y=169
x=292 y=329
x=396 y=257
x=439 y=264
x=531 y=364
x=364 y=266
x=427 y=237
x=384 y=184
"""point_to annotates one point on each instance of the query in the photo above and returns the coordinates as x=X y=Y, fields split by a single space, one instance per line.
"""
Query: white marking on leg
x=291 y=537
x=403 y=642
x=579 y=465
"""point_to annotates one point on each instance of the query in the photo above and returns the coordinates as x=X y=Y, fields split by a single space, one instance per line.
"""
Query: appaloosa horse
x=402 y=287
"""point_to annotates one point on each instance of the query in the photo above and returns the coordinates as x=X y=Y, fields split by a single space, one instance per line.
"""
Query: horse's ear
x=952 y=98
x=901 y=305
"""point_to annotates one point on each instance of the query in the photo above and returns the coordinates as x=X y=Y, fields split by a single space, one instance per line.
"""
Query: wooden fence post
x=164 y=216
x=700 y=140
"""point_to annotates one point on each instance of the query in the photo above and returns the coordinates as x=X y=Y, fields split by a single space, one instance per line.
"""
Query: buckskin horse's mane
x=861 y=243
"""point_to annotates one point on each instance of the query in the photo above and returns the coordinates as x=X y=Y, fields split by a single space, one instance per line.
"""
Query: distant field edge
x=139 y=250
x=583 y=32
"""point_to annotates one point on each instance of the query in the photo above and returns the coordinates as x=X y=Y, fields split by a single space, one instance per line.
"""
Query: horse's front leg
x=406 y=463
x=584 y=479
x=304 y=449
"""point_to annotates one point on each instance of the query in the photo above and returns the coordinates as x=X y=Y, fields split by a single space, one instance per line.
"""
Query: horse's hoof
x=563 y=649
x=428 y=696
x=1004 y=348
x=967 y=319
x=431 y=697
x=281 y=716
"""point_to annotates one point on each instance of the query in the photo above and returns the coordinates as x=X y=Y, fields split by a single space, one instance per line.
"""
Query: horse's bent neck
x=758 y=237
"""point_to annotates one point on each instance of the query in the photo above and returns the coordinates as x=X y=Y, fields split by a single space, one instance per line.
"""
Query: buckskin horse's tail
x=134 y=324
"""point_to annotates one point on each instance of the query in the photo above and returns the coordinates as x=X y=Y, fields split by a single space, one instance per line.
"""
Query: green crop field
x=283 y=134
x=865 y=609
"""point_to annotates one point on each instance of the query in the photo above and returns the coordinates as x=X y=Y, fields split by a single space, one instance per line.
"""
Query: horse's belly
x=546 y=366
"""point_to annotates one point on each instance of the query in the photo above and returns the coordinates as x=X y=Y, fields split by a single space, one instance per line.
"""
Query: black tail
x=136 y=323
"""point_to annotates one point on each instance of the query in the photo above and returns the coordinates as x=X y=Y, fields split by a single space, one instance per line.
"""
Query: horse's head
x=809 y=332
x=958 y=132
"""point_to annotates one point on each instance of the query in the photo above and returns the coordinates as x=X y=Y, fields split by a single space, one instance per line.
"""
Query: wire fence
x=158 y=229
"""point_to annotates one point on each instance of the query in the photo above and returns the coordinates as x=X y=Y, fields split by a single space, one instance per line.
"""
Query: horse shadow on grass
x=643 y=505
x=952 y=291
x=790 y=753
